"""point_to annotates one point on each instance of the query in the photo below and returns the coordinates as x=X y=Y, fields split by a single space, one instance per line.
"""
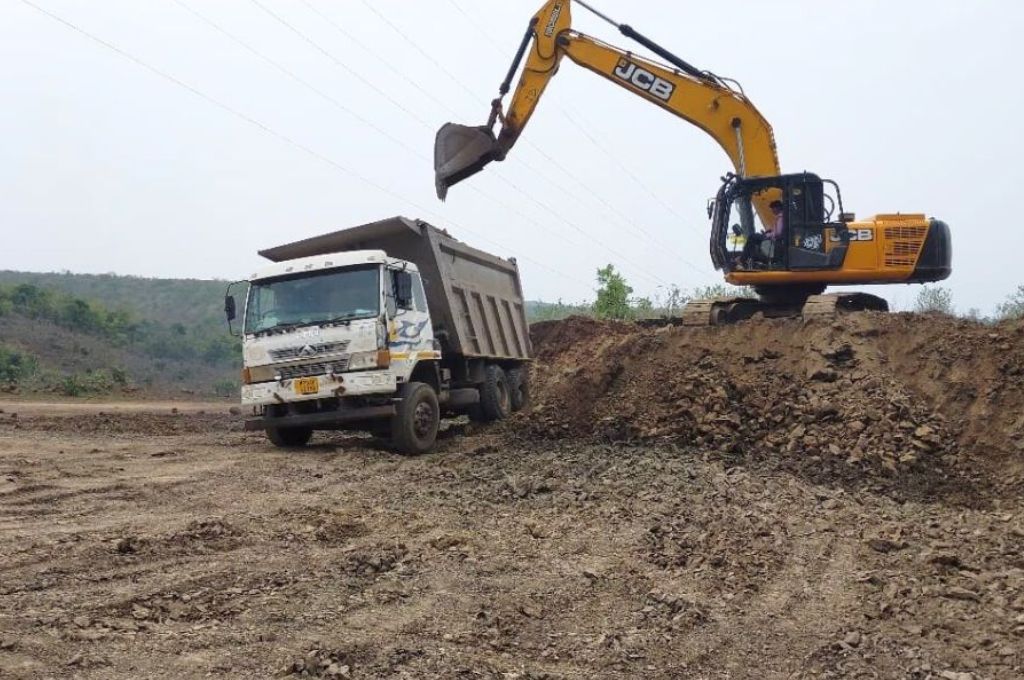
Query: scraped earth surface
x=774 y=499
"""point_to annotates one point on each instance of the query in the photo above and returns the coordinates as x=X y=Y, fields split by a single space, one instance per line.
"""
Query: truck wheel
x=519 y=388
x=414 y=425
x=289 y=437
x=495 y=398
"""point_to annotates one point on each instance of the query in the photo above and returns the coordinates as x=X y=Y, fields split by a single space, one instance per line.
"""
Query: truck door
x=410 y=333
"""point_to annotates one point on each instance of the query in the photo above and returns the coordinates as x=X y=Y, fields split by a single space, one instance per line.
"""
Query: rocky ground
x=772 y=500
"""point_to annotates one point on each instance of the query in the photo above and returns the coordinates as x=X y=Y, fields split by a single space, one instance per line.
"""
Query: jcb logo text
x=855 y=235
x=556 y=12
x=641 y=78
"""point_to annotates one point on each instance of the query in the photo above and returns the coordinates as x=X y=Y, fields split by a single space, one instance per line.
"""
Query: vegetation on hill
x=614 y=301
x=189 y=302
x=203 y=345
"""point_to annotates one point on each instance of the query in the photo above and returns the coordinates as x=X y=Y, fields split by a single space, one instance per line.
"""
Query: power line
x=412 y=43
x=491 y=41
x=288 y=72
x=590 y=137
x=429 y=57
x=339 y=63
x=625 y=169
x=639 y=269
x=397 y=71
x=274 y=133
x=412 y=83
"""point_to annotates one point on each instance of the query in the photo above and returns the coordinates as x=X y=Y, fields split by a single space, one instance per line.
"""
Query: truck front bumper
x=323 y=420
x=340 y=385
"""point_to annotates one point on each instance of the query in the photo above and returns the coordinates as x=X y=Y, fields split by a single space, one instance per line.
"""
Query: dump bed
x=475 y=299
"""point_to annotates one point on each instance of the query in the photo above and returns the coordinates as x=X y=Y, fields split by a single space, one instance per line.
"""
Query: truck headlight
x=361 y=361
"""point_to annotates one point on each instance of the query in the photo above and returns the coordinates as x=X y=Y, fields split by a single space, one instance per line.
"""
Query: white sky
x=911 y=106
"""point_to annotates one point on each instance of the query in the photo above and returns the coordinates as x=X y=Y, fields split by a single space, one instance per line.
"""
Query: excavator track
x=722 y=311
x=833 y=304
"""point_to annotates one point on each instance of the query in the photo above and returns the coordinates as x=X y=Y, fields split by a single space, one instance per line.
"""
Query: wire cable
x=280 y=136
x=640 y=269
x=397 y=71
x=529 y=166
x=591 y=138
x=547 y=208
x=339 y=63
x=429 y=57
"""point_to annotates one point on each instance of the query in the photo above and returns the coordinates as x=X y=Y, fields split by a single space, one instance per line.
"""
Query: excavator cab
x=814 y=231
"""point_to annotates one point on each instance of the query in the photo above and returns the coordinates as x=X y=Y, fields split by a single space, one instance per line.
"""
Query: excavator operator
x=763 y=244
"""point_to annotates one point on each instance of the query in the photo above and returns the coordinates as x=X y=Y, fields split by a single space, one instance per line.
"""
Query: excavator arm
x=699 y=97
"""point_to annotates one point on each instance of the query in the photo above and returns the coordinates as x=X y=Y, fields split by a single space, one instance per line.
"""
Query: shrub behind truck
x=385 y=327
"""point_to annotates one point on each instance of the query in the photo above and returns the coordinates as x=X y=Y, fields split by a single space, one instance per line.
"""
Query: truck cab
x=322 y=326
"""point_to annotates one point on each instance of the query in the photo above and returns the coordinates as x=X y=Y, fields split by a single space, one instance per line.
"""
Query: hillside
x=185 y=301
x=72 y=335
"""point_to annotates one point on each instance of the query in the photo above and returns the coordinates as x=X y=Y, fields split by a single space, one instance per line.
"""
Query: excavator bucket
x=461 y=151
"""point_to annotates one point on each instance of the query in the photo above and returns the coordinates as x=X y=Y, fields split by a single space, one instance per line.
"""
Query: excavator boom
x=698 y=97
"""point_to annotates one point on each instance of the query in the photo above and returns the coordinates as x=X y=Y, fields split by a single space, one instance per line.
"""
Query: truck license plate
x=307 y=385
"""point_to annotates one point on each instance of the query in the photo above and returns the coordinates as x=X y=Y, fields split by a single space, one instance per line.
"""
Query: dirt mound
x=934 y=402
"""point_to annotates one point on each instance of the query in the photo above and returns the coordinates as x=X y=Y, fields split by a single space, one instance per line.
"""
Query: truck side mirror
x=403 y=290
x=231 y=307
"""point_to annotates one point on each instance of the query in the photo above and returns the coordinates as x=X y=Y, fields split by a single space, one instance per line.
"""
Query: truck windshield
x=313 y=298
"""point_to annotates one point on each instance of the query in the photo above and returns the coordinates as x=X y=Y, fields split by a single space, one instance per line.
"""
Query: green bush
x=86 y=383
x=16 y=366
x=934 y=300
x=226 y=388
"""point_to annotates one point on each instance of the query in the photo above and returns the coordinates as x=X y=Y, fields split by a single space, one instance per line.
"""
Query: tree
x=1013 y=308
x=612 y=295
x=675 y=299
x=936 y=300
x=642 y=307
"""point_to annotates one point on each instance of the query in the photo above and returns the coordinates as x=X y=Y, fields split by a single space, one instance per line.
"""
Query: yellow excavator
x=809 y=241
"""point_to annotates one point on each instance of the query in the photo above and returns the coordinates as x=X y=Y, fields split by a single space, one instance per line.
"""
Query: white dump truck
x=386 y=328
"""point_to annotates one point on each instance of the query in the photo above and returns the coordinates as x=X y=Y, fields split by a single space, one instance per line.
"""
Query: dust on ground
x=774 y=499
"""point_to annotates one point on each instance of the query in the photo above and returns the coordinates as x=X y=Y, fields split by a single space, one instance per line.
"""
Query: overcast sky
x=911 y=106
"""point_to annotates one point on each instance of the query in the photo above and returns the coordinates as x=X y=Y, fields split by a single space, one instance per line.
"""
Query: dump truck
x=387 y=328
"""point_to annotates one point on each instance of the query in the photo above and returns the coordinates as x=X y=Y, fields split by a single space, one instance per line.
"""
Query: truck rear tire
x=289 y=437
x=519 y=388
x=495 y=396
x=414 y=425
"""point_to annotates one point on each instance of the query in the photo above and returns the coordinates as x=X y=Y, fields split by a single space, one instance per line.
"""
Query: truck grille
x=304 y=370
x=308 y=351
x=902 y=245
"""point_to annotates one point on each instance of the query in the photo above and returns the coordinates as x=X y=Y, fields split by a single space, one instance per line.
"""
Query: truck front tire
x=414 y=425
x=289 y=437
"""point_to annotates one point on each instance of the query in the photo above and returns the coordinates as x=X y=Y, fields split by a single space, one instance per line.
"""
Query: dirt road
x=176 y=545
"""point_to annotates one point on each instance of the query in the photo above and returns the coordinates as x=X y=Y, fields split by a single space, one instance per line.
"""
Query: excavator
x=815 y=243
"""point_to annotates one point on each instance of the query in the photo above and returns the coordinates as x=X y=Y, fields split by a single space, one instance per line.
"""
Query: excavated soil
x=773 y=499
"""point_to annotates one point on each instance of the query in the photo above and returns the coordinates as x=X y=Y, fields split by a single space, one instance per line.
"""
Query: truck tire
x=495 y=396
x=289 y=437
x=519 y=388
x=414 y=425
